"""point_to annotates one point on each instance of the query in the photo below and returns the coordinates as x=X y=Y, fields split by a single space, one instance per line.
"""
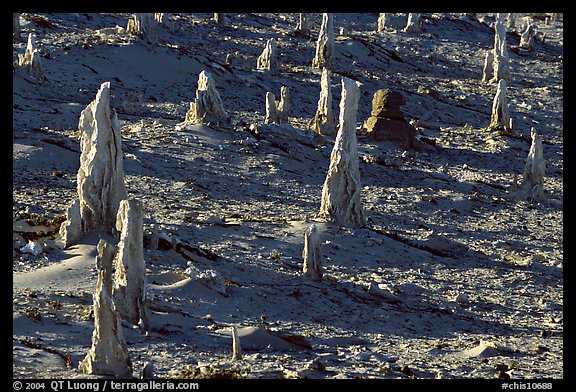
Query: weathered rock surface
x=208 y=105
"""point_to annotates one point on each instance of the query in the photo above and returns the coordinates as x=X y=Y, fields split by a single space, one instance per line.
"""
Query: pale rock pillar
x=220 y=18
x=532 y=184
x=108 y=355
x=100 y=179
x=271 y=112
x=283 y=106
x=527 y=36
x=488 y=69
x=130 y=276
x=31 y=59
x=268 y=60
x=302 y=29
x=500 y=118
x=143 y=25
x=324 y=120
x=413 y=23
x=383 y=22
x=325 y=43
x=341 y=199
x=311 y=254
x=501 y=57
x=208 y=105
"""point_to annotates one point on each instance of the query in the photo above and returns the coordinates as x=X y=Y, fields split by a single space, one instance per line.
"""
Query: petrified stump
x=31 y=59
x=268 y=60
x=532 y=184
x=109 y=354
x=100 y=178
x=488 y=69
x=130 y=276
x=302 y=29
x=383 y=22
x=208 y=105
x=325 y=43
x=413 y=23
x=386 y=121
x=501 y=58
x=324 y=121
x=271 y=112
x=500 y=120
x=311 y=254
x=143 y=25
x=341 y=200
x=283 y=106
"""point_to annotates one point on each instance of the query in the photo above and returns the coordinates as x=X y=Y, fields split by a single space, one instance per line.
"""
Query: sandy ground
x=478 y=274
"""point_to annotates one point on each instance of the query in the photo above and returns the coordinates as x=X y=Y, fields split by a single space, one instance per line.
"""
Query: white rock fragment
x=268 y=60
x=312 y=255
x=341 y=199
x=208 y=105
x=283 y=106
x=31 y=59
x=143 y=25
x=413 y=25
x=236 y=349
x=532 y=184
x=324 y=121
x=271 y=112
x=501 y=62
x=130 y=276
x=325 y=43
x=383 y=22
x=109 y=353
x=527 y=37
x=500 y=118
x=488 y=69
x=32 y=248
x=382 y=292
x=302 y=29
x=100 y=178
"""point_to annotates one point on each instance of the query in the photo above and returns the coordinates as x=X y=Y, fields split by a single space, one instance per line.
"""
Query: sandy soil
x=478 y=274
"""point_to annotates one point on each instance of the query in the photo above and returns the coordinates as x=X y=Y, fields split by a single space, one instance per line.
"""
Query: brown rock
x=385 y=129
x=386 y=103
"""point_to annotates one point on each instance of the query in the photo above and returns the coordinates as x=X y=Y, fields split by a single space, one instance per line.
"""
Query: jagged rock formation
x=130 y=276
x=413 y=24
x=325 y=43
x=302 y=29
x=324 y=122
x=208 y=105
x=341 y=200
x=100 y=178
x=109 y=354
x=16 y=27
x=501 y=58
x=283 y=106
x=31 y=59
x=383 y=21
x=271 y=112
x=500 y=120
x=488 y=69
x=311 y=254
x=386 y=121
x=527 y=37
x=268 y=60
x=143 y=25
x=532 y=185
